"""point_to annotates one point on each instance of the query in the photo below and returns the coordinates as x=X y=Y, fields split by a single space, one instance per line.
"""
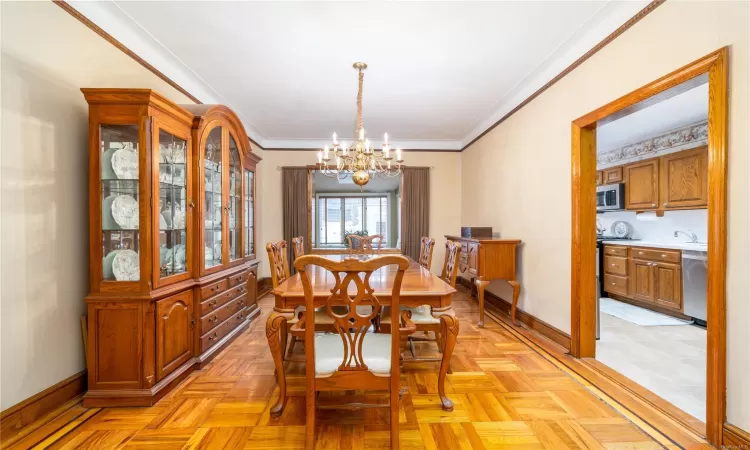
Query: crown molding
x=683 y=138
x=405 y=144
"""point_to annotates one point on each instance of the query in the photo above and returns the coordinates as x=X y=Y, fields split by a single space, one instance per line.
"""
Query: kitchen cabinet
x=668 y=278
x=642 y=284
x=599 y=178
x=652 y=276
x=612 y=175
x=683 y=179
x=642 y=185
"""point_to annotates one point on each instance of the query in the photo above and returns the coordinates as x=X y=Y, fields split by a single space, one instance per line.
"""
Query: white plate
x=126 y=266
x=125 y=211
x=107 y=273
x=162 y=223
x=125 y=164
x=178 y=221
x=621 y=229
x=108 y=222
x=107 y=172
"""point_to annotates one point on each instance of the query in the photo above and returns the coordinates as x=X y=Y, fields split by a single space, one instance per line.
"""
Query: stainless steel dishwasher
x=694 y=272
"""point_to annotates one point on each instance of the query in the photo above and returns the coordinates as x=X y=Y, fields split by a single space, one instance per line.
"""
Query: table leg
x=481 y=284
x=449 y=334
x=516 y=292
x=276 y=333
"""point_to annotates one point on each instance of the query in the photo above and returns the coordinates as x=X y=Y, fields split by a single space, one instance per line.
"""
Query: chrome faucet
x=692 y=236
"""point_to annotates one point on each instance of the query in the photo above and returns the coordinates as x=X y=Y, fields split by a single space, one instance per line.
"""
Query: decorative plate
x=178 y=220
x=126 y=266
x=125 y=164
x=107 y=172
x=163 y=223
x=621 y=229
x=125 y=211
x=108 y=222
x=107 y=265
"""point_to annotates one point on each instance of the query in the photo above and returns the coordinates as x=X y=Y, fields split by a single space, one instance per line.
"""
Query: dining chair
x=422 y=315
x=425 y=252
x=298 y=246
x=277 y=259
x=364 y=245
x=351 y=358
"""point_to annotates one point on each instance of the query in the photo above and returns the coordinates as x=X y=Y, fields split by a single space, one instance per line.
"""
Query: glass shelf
x=119 y=159
x=173 y=245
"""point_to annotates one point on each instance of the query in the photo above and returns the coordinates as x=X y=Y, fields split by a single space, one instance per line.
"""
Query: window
x=338 y=216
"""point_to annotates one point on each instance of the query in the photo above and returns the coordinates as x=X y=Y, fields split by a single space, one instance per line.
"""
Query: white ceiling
x=676 y=112
x=440 y=72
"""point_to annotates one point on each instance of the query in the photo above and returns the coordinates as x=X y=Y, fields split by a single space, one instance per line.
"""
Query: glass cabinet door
x=235 y=201
x=249 y=210
x=119 y=194
x=173 y=204
x=212 y=171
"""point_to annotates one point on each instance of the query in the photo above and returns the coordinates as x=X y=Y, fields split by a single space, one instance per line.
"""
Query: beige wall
x=517 y=178
x=44 y=189
x=445 y=195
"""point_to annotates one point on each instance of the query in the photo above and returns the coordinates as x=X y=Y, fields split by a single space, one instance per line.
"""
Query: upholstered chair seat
x=329 y=353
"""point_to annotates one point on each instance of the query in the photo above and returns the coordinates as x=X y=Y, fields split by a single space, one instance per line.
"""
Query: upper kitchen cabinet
x=225 y=188
x=642 y=185
x=612 y=175
x=684 y=179
x=140 y=196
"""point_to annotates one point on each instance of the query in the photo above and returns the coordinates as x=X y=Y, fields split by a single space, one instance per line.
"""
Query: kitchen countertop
x=676 y=246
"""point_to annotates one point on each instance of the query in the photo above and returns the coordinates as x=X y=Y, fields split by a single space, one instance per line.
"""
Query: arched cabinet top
x=205 y=114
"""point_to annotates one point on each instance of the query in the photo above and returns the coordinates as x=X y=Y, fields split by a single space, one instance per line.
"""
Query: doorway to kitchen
x=651 y=166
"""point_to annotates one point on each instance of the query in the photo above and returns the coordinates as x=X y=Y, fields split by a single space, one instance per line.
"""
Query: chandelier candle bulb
x=385 y=139
x=334 y=139
x=325 y=153
x=398 y=155
x=320 y=158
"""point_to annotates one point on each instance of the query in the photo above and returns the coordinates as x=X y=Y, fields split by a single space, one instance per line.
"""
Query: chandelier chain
x=360 y=124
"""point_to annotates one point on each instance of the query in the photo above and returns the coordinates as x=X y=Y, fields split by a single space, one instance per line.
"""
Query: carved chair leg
x=449 y=330
x=276 y=334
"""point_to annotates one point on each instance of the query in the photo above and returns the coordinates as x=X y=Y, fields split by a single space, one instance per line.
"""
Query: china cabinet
x=172 y=262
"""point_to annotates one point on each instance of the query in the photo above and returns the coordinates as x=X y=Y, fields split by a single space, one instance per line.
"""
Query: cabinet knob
x=640 y=253
x=191 y=203
x=213 y=319
x=613 y=264
x=192 y=323
x=663 y=255
x=613 y=284
x=665 y=203
x=212 y=337
x=653 y=204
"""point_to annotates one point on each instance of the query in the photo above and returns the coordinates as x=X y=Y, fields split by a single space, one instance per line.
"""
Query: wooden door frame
x=583 y=241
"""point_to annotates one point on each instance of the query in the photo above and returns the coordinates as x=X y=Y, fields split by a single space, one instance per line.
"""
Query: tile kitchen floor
x=670 y=361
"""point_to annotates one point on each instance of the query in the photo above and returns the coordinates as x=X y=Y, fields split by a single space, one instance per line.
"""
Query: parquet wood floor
x=506 y=395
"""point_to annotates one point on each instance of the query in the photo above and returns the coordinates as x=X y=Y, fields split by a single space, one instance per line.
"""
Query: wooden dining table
x=419 y=287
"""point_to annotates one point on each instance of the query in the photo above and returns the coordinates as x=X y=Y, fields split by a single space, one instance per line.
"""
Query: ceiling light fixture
x=359 y=159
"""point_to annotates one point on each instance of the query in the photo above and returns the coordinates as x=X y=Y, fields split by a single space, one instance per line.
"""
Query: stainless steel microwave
x=610 y=197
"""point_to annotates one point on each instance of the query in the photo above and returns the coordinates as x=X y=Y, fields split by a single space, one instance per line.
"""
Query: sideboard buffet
x=173 y=268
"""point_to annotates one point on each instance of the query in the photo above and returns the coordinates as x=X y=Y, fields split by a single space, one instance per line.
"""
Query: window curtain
x=415 y=209
x=294 y=204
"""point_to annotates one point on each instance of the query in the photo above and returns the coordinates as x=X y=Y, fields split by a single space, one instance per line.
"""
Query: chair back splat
x=298 y=246
x=277 y=259
x=352 y=358
x=425 y=252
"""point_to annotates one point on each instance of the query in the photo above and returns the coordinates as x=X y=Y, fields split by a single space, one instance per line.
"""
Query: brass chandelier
x=359 y=159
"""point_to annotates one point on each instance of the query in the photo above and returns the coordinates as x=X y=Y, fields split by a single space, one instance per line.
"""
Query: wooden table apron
x=419 y=287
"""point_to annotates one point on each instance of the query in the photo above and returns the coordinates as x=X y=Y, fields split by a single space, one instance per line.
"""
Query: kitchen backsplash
x=662 y=229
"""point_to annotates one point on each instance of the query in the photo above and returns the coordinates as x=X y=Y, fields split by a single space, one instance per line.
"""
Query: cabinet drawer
x=214 y=288
x=217 y=301
x=238 y=278
x=209 y=339
x=616 y=284
x=655 y=254
x=616 y=250
x=616 y=265
x=211 y=320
